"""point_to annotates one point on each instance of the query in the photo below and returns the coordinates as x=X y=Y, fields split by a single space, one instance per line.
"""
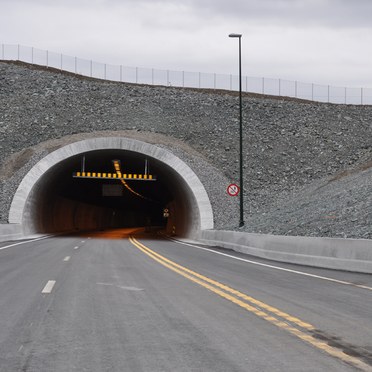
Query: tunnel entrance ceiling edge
x=203 y=209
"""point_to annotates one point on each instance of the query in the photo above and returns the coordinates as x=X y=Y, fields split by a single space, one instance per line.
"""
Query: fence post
x=47 y=58
x=183 y=79
x=361 y=96
x=246 y=84
x=263 y=85
x=312 y=91
x=18 y=52
x=61 y=61
x=75 y=65
x=104 y=76
x=328 y=93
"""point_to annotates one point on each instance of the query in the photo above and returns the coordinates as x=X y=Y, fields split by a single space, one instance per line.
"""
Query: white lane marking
x=67 y=258
x=24 y=242
x=76 y=247
x=276 y=267
x=122 y=287
x=49 y=286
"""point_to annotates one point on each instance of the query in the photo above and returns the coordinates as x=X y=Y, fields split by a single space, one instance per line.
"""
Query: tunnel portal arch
x=185 y=196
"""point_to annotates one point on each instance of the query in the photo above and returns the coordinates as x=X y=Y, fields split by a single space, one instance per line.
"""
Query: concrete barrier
x=332 y=253
x=10 y=232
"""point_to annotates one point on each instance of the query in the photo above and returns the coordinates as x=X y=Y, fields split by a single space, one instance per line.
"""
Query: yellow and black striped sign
x=118 y=176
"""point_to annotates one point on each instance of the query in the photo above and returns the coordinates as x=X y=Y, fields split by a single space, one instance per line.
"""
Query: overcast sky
x=316 y=41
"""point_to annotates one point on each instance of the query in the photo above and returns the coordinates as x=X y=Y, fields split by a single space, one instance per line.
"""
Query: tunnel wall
x=191 y=191
x=63 y=215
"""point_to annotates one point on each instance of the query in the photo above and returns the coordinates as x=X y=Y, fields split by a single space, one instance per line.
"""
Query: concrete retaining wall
x=342 y=254
x=10 y=232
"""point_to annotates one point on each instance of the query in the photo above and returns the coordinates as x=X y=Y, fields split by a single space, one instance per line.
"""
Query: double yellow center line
x=271 y=314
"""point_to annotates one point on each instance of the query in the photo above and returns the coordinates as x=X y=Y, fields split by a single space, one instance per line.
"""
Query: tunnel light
x=118 y=171
x=119 y=175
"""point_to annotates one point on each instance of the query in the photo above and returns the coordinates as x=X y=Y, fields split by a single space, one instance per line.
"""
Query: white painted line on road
x=67 y=258
x=122 y=287
x=276 y=267
x=49 y=286
x=24 y=242
x=76 y=247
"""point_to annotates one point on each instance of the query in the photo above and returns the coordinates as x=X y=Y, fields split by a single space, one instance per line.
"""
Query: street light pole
x=241 y=219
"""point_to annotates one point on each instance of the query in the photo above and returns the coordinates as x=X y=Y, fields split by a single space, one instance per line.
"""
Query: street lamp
x=241 y=220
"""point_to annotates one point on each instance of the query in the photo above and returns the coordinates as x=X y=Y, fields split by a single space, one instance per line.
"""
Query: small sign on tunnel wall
x=112 y=190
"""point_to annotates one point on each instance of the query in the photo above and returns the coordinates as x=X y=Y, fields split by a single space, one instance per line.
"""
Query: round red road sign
x=233 y=189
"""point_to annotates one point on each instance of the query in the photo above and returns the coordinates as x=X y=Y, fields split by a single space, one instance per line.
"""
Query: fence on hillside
x=139 y=75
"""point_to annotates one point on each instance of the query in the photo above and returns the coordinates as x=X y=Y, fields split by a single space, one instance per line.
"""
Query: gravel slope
x=306 y=165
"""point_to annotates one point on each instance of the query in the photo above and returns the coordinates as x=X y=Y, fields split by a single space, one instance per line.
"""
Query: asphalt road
x=149 y=304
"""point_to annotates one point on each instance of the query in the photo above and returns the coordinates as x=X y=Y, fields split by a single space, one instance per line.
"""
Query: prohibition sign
x=233 y=189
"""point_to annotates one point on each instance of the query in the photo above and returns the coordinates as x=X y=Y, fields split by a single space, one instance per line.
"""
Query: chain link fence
x=138 y=75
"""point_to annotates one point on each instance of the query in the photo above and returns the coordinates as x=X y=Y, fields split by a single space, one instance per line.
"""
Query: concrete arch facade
x=199 y=206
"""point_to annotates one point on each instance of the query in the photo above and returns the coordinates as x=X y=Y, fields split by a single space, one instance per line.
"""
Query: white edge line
x=67 y=258
x=49 y=286
x=276 y=267
x=24 y=242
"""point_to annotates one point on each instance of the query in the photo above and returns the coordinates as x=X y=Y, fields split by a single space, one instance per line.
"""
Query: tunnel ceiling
x=155 y=193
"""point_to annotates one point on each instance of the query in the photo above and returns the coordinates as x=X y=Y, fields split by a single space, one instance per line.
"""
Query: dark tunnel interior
x=60 y=202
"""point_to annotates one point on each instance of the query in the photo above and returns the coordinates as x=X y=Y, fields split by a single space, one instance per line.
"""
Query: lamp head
x=235 y=35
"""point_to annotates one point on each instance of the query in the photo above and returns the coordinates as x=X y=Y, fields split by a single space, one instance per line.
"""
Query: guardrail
x=186 y=79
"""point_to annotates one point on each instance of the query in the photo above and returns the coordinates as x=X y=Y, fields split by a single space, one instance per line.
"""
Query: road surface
x=112 y=302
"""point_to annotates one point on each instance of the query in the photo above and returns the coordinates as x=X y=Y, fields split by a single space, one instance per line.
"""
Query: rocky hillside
x=307 y=166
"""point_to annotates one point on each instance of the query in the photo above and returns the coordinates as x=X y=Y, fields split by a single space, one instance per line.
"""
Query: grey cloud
x=325 y=13
x=305 y=13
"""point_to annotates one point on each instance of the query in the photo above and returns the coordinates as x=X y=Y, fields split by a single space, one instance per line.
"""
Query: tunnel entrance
x=52 y=199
